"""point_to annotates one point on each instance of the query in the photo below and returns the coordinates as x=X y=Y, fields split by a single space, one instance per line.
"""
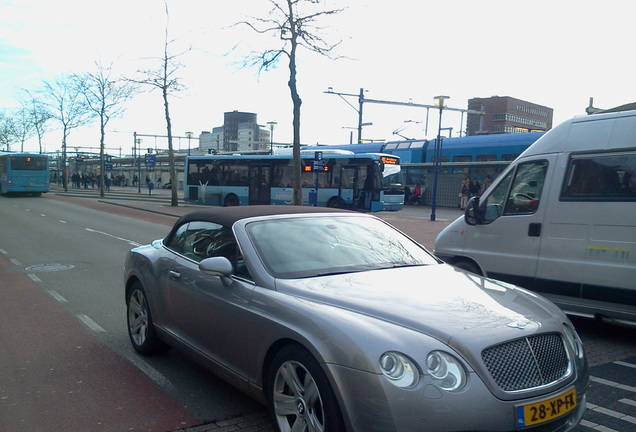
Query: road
x=67 y=363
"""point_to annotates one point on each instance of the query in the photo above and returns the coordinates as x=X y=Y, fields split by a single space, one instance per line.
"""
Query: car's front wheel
x=141 y=330
x=300 y=396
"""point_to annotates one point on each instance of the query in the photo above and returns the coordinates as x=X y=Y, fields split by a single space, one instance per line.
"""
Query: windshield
x=392 y=177
x=323 y=245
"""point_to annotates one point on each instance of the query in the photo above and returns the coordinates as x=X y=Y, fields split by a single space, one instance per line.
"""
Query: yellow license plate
x=546 y=410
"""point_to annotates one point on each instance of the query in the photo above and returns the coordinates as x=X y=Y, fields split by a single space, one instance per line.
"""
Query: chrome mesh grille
x=528 y=362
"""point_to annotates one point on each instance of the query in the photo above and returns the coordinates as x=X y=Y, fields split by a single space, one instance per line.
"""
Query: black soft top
x=229 y=215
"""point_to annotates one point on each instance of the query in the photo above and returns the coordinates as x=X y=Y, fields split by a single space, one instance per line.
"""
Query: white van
x=561 y=219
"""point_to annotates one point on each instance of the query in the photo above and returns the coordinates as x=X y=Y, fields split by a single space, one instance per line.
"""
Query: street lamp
x=272 y=126
x=440 y=103
x=189 y=135
x=138 y=160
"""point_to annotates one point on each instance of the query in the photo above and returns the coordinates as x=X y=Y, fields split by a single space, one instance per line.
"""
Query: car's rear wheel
x=300 y=396
x=141 y=330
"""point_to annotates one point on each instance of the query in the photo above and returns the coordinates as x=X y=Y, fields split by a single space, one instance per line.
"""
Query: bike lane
x=55 y=376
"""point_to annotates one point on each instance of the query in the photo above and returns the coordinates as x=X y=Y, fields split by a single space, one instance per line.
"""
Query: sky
x=556 y=53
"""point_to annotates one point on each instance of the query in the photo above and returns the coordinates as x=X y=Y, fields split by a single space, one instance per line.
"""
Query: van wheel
x=468 y=266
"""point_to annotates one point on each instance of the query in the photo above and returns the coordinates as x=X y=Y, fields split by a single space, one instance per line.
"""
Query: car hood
x=450 y=305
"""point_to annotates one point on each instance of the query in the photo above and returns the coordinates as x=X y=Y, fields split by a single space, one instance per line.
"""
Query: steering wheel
x=523 y=196
x=525 y=201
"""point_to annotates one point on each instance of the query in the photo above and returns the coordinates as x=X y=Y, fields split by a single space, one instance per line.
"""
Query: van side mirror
x=472 y=215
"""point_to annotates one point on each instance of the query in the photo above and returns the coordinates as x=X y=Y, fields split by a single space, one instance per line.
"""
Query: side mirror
x=472 y=216
x=218 y=266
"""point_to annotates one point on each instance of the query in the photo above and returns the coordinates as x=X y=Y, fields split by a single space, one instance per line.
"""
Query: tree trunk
x=174 y=202
x=297 y=102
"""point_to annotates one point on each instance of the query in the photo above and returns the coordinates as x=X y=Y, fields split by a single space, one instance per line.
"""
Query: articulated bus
x=368 y=182
x=24 y=173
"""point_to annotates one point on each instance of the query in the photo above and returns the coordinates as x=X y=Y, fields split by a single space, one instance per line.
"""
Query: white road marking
x=150 y=372
x=130 y=242
x=57 y=296
x=91 y=324
x=613 y=384
x=15 y=261
x=596 y=427
x=622 y=363
x=34 y=278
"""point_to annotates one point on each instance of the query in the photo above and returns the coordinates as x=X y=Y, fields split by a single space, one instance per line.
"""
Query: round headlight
x=447 y=372
x=399 y=369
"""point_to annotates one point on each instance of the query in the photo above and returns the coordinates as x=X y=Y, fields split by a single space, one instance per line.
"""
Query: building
x=240 y=133
x=504 y=114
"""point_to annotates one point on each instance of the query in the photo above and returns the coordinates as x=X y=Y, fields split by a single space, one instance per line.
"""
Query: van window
x=497 y=199
x=518 y=192
x=601 y=177
x=526 y=189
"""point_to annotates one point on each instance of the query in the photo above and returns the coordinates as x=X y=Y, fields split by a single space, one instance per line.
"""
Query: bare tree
x=68 y=107
x=164 y=77
x=295 y=23
x=105 y=97
x=38 y=115
x=23 y=127
x=7 y=131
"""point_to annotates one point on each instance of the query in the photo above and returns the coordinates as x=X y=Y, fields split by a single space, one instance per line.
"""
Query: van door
x=507 y=241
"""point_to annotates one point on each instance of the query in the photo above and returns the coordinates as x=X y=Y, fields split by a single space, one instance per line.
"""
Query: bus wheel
x=231 y=200
x=336 y=202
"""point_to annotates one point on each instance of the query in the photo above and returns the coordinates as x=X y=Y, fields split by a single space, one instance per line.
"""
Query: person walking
x=474 y=189
x=463 y=193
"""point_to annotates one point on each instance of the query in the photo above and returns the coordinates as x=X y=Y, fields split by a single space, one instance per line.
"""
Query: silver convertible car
x=339 y=322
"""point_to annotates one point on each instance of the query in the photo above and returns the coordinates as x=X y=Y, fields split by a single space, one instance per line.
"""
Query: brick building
x=504 y=114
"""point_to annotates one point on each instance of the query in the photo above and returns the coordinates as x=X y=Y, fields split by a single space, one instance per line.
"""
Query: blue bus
x=22 y=173
x=364 y=181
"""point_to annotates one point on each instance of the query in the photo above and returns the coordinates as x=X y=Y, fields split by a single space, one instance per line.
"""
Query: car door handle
x=174 y=274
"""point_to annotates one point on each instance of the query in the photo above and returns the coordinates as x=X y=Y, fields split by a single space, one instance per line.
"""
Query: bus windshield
x=358 y=181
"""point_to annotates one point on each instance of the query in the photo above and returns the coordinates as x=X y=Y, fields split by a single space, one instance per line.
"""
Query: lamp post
x=272 y=126
x=189 y=135
x=440 y=103
x=138 y=160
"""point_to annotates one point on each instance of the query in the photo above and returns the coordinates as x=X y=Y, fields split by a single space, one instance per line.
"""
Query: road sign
x=151 y=160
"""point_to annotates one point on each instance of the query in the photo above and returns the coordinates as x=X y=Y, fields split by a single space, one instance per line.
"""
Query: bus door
x=260 y=184
x=348 y=188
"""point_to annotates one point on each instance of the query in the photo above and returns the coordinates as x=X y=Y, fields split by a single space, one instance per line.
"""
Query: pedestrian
x=463 y=193
x=487 y=183
x=474 y=189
